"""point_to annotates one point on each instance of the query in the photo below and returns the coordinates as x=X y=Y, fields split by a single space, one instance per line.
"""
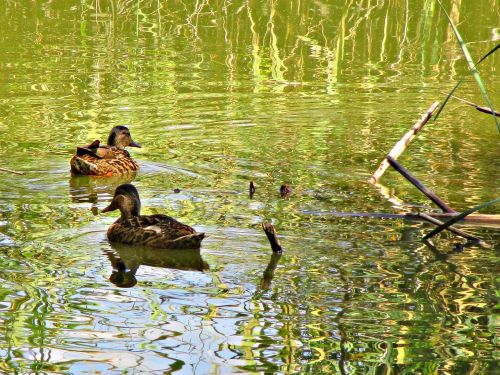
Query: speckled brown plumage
x=156 y=231
x=119 y=162
x=113 y=159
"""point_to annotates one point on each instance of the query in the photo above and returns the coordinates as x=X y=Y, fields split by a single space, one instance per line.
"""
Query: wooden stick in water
x=458 y=232
x=479 y=108
x=10 y=171
x=413 y=180
x=458 y=217
x=487 y=110
x=404 y=142
x=485 y=220
x=272 y=236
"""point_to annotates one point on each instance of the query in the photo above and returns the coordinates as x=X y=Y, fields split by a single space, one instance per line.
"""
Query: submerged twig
x=458 y=232
x=459 y=217
x=480 y=219
x=10 y=171
x=415 y=182
x=404 y=142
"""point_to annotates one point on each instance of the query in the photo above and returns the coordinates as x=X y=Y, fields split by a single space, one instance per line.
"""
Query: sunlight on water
x=220 y=94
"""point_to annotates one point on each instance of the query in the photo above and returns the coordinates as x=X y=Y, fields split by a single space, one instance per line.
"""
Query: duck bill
x=134 y=144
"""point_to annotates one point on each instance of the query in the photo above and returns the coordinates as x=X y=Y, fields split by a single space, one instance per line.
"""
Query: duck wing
x=80 y=151
x=175 y=235
x=155 y=231
x=90 y=150
x=165 y=226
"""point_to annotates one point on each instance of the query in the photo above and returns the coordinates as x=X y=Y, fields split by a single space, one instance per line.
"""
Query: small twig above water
x=272 y=236
x=251 y=189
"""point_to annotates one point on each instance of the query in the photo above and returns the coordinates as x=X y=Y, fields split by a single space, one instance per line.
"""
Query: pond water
x=221 y=93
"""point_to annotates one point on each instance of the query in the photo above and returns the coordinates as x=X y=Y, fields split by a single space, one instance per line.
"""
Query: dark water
x=219 y=94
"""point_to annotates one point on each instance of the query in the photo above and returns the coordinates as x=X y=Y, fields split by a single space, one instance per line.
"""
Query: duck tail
x=81 y=166
x=191 y=241
x=80 y=151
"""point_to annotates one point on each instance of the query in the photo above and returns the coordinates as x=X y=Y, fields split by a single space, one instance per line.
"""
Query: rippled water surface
x=221 y=93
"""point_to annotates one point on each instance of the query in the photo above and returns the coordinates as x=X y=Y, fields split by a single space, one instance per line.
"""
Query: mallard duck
x=113 y=159
x=157 y=231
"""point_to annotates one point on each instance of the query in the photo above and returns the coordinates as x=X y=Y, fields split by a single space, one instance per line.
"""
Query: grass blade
x=472 y=66
x=489 y=53
x=446 y=100
x=450 y=95
x=459 y=217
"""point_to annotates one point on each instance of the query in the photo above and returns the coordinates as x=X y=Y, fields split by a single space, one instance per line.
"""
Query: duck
x=110 y=160
x=153 y=231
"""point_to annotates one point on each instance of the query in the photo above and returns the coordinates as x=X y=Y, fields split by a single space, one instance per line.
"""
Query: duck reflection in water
x=92 y=189
x=127 y=259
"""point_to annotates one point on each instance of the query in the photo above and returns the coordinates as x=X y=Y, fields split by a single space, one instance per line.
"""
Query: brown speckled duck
x=110 y=160
x=156 y=231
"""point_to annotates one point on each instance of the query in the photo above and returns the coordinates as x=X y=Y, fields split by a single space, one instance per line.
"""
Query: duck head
x=120 y=138
x=126 y=199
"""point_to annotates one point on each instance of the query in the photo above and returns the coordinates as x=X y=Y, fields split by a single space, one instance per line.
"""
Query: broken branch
x=404 y=142
x=415 y=182
x=459 y=217
x=458 y=232
x=272 y=236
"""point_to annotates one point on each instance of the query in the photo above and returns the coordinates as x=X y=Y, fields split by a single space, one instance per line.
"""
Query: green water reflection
x=220 y=93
